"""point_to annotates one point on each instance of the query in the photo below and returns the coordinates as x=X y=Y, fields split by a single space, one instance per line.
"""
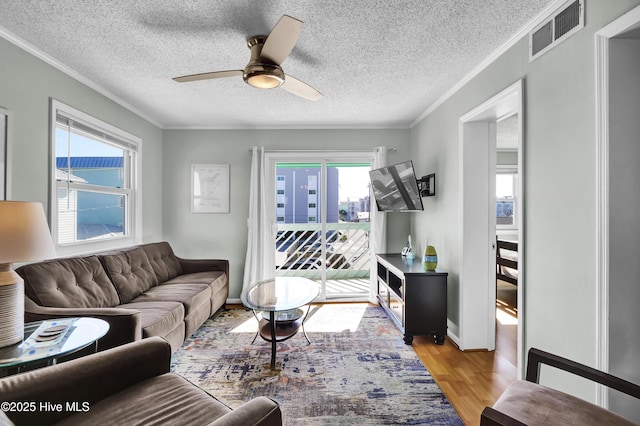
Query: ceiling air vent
x=561 y=24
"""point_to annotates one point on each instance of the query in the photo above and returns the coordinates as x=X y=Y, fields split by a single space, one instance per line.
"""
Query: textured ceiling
x=378 y=63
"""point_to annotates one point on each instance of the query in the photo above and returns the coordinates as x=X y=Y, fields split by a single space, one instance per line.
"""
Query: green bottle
x=430 y=258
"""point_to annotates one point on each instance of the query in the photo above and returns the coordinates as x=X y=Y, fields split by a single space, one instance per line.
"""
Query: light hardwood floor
x=471 y=380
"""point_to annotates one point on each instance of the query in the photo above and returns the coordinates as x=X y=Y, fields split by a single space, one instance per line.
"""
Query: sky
x=353 y=182
x=83 y=147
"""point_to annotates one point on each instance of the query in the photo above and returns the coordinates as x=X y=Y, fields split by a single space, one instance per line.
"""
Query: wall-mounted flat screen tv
x=395 y=188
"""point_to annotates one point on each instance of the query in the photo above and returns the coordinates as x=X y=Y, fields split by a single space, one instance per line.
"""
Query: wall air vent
x=560 y=25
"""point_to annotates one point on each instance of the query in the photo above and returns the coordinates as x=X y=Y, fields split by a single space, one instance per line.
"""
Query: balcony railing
x=346 y=256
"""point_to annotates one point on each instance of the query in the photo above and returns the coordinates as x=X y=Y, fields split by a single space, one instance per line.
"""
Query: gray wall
x=559 y=156
x=225 y=235
x=26 y=86
x=624 y=205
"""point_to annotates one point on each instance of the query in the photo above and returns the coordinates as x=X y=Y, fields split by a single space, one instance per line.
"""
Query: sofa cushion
x=168 y=399
x=130 y=271
x=534 y=404
x=77 y=282
x=164 y=262
x=192 y=296
x=214 y=279
x=158 y=318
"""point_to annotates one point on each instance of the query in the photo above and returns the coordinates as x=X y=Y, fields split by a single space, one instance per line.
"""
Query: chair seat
x=168 y=399
x=534 y=404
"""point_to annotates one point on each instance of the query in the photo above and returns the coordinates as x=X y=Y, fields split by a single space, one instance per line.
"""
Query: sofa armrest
x=201 y=265
x=536 y=358
x=492 y=417
x=85 y=380
x=260 y=411
x=124 y=324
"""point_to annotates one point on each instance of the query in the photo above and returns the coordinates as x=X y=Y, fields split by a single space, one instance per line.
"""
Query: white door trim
x=477 y=326
x=620 y=25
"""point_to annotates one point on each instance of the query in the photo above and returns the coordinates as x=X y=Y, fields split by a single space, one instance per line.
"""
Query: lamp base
x=11 y=306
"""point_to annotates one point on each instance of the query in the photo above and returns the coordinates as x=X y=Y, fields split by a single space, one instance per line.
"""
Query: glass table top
x=280 y=294
x=53 y=338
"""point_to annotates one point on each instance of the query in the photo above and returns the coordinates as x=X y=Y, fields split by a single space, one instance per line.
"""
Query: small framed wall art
x=210 y=188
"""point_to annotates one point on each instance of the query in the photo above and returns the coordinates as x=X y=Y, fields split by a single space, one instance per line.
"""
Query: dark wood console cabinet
x=415 y=299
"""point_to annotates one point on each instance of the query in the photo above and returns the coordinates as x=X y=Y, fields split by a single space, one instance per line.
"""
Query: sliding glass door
x=322 y=220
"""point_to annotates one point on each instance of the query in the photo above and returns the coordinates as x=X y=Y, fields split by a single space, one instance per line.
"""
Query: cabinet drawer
x=383 y=292
x=396 y=306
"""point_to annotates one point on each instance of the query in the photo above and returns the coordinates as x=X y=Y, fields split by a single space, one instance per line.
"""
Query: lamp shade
x=24 y=232
x=24 y=236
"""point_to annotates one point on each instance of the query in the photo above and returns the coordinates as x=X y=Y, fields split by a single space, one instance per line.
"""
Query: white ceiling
x=378 y=63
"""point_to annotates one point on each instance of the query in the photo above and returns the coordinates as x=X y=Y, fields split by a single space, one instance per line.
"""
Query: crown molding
x=524 y=31
x=29 y=48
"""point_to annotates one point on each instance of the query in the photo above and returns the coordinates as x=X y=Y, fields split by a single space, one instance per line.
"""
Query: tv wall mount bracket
x=427 y=185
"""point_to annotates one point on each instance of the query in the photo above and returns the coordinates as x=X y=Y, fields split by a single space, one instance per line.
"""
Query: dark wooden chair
x=503 y=261
x=527 y=402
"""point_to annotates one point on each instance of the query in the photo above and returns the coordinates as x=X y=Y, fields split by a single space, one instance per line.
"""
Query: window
x=506 y=183
x=93 y=181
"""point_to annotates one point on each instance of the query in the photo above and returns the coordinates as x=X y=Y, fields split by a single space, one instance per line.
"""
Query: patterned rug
x=357 y=370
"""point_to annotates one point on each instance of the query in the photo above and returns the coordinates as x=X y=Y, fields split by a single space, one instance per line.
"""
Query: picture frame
x=210 y=188
x=5 y=150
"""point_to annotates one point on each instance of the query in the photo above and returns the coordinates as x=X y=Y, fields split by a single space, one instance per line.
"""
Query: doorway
x=478 y=217
x=322 y=221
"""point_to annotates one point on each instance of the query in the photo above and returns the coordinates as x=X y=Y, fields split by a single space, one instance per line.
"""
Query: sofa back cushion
x=130 y=272
x=164 y=262
x=77 y=282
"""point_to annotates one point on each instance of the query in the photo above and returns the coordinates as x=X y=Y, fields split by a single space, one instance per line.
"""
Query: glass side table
x=280 y=300
x=46 y=341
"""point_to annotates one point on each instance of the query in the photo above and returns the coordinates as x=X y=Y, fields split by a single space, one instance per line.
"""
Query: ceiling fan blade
x=300 y=88
x=281 y=40
x=208 y=76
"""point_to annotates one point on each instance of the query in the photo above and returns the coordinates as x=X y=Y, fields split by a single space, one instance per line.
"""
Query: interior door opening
x=481 y=212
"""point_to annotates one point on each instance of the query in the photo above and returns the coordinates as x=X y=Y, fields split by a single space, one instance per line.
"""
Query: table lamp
x=24 y=237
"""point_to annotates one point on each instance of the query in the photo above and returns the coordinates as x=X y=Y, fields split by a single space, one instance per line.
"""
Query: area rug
x=357 y=370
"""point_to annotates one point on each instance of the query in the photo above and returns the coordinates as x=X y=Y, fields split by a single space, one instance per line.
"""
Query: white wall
x=624 y=223
x=559 y=117
x=26 y=86
x=225 y=235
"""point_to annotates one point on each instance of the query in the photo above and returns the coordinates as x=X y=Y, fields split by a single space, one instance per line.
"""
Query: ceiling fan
x=267 y=54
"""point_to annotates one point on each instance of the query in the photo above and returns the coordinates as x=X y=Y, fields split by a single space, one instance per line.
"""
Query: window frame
x=132 y=145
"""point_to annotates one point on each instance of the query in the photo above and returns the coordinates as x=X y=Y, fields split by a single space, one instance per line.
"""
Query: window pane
x=84 y=159
x=504 y=212
x=505 y=185
x=353 y=188
x=85 y=215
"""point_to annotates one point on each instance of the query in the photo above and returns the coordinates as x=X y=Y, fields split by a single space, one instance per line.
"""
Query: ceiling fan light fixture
x=263 y=76
x=264 y=81
x=267 y=53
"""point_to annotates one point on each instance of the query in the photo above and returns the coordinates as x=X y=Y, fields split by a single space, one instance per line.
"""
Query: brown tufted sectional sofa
x=141 y=291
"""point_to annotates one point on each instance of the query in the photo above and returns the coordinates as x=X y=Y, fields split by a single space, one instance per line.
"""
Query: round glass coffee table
x=280 y=302
x=46 y=341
